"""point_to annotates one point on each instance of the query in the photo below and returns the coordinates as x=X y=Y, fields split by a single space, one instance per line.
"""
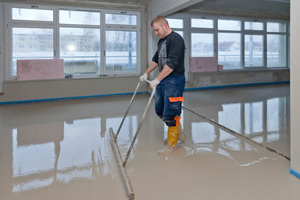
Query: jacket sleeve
x=155 y=57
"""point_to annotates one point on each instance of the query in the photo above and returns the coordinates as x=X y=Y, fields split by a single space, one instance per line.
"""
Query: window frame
x=205 y=30
x=55 y=25
x=243 y=32
x=284 y=33
x=263 y=51
x=10 y=24
x=118 y=27
x=254 y=32
x=64 y=25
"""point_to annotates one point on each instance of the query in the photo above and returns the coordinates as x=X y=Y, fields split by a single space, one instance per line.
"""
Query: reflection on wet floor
x=261 y=114
x=61 y=150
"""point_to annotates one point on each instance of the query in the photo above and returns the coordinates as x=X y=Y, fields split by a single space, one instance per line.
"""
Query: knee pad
x=170 y=122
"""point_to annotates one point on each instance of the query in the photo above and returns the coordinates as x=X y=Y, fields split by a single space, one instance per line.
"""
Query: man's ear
x=165 y=26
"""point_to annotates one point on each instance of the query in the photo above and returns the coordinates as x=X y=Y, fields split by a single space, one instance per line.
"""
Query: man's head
x=161 y=27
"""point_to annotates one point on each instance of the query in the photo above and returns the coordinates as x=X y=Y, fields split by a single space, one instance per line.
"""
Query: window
x=229 y=43
x=276 y=50
x=79 y=41
x=229 y=25
x=175 y=23
x=121 y=53
x=202 y=45
x=29 y=41
x=258 y=26
x=253 y=50
x=202 y=23
x=79 y=17
x=80 y=49
x=276 y=44
x=121 y=19
x=89 y=47
x=32 y=14
x=229 y=50
x=202 y=37
x=240 y=43
x=276 y=27
x=22 y=47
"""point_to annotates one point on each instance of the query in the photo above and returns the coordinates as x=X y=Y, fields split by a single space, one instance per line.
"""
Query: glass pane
x=121 y=51
x=79 y=17
x=120 y=19
x=258 y=26
x=80 y=49
x=230 y=25
x=32 y=14
x=31 y=43
x=276 y=50
x=276 y=27
x=175 y=23
x=179 y=32
x=202 y=23
x=229 y=50
x=254 y=50
x=202 y=44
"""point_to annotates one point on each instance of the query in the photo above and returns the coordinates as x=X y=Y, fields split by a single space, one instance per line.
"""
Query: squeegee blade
x=122 y=170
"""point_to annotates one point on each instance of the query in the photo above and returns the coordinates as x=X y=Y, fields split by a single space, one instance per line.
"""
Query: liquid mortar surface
x=61 y=150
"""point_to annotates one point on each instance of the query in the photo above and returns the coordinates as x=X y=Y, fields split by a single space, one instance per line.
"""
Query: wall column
x=295 y=87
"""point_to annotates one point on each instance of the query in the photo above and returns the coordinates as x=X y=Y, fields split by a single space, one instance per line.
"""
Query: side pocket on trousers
x=175 y=102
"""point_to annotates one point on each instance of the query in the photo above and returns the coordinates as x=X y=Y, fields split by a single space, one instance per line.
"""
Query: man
x=170 y=81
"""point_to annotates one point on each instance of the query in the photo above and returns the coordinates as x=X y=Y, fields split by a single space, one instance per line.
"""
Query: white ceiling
x=259 y=8
x=253 y=8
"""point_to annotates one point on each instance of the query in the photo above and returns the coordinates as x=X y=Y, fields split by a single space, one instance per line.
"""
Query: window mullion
x=242 y=45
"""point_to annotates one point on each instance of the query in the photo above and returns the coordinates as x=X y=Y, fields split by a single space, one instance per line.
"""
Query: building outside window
x=202 y=37
x=229 y=43
x=88 y=48
x=121 y=54
x=276 y=44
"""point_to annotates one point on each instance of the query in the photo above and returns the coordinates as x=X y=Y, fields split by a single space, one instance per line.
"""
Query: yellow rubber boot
x=172 y=136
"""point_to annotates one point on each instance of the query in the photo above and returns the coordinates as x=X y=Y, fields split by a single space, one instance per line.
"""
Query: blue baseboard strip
x=297 y=174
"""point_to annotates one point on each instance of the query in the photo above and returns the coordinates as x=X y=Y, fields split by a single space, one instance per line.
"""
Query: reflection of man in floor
x=170 y=81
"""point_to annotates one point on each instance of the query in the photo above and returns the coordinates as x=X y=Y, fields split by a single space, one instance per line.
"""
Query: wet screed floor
x=61 y=150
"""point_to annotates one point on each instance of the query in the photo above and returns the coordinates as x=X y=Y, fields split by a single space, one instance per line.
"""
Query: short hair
x=159 y=19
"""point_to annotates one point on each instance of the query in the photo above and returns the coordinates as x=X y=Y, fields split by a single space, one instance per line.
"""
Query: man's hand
x=154 y=83
x=143 y=77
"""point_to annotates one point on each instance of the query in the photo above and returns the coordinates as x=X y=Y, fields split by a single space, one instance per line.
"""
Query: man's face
x=159 y=30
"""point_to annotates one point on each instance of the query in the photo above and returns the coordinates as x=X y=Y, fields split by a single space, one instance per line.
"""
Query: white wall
x=167 y=7
x=295 y=85
x=19 y=91
x=1 y=48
